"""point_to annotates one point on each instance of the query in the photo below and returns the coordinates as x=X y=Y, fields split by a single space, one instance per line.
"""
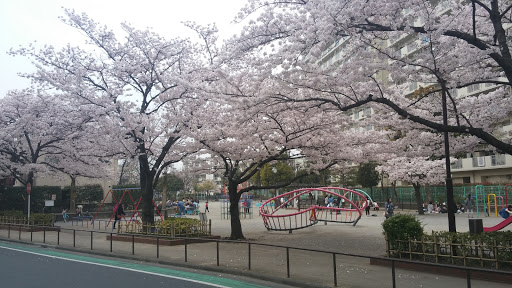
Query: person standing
x=65 y=215
x=389 y=208
x=118 y=215
x=469 y=203
x=368 y=205
x=206 y=208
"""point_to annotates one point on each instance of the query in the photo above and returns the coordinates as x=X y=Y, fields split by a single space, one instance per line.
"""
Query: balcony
x=483 y=163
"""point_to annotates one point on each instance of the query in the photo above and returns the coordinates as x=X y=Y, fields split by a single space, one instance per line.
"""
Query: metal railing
x=14 y=232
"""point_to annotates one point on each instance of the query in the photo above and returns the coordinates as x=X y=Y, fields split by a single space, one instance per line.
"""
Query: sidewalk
x=307 y=269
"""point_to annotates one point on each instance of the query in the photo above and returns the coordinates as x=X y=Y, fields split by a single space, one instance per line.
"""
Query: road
x=33 y=266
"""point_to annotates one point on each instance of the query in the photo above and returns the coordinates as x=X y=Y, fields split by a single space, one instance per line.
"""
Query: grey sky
x=25 y=21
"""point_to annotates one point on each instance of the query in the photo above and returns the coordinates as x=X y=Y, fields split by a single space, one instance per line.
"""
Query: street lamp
x=449 y=182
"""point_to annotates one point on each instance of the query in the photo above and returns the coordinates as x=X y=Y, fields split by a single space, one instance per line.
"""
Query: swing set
x=135 y=214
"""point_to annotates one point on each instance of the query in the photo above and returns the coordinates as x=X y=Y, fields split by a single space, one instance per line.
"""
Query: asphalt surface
x=29 y=266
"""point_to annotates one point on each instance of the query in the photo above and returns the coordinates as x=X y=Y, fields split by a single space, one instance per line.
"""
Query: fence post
x=249 y=255
x=44 y=233
x=287 y=262
x=496 y=253
x=334 y=268
x=19 y=236
x=58 y=237
x=218 y=253
x=111 y=241
x=133 y=244
x=185 y=249
x=74 y=237
x=410 y=249
x=91 y=239
x=31 y=232
x=393 y=273
x=157 y=247
x=468 y=278
x=9 y=231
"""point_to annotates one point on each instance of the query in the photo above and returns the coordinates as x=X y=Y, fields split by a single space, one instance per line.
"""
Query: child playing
x=506 y=212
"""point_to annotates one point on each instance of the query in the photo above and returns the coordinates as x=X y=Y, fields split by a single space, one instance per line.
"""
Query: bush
x=182 y=226
x=402 y=227
x=493 y=245
x=13 y=213
x=41 y=219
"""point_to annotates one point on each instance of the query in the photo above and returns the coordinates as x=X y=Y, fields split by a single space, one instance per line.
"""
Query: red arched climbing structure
x=278 y=218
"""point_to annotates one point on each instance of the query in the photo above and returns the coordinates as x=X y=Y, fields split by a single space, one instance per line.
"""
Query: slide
x=500 y=225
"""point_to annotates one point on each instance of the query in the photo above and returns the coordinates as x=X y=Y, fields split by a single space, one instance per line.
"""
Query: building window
x=466 y=180
x=479 y=161
x=367 y=111
x=497 y=160
x=457 y=164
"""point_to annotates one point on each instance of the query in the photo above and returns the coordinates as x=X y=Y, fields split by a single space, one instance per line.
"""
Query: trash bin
x=476 y=226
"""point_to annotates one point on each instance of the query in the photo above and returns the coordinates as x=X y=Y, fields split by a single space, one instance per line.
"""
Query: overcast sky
x=24 y=21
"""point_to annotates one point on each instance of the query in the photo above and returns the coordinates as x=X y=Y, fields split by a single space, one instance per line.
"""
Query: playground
x=296 y=217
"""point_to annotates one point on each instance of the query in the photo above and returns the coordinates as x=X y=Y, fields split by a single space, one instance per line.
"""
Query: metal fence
x=241 y=255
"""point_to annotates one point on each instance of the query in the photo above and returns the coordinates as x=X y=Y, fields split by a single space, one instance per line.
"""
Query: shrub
x=41 y=219
x=402 y=227
x=13 y=213
x=182 y=226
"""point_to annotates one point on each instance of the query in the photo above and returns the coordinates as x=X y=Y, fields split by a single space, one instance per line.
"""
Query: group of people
x=330 y=201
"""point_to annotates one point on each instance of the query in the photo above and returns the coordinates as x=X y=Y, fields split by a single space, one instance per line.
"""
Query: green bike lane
x=22 y=264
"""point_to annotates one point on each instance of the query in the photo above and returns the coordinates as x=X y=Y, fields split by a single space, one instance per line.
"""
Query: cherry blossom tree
x=139 y=83
x=350 y=53
x=416 y=170
x=451 y=51
x=44 y=135
x=244 y=133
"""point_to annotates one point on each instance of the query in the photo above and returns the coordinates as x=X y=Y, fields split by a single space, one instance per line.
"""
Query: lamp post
x=449 y=182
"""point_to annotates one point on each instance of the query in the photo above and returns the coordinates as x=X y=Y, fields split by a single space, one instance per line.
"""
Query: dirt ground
x=366 y=238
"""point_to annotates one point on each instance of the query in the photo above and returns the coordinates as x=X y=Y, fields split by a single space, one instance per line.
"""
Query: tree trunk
x=146 y=186
x=428 y=194
x=419 y=202
x=234 y=198
x=72 y=194
x=164 y=198
x=398 y=200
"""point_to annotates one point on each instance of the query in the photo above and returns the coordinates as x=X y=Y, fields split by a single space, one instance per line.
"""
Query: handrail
x=393 y=261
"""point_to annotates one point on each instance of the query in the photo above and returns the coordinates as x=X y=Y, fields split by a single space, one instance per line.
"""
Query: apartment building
x=481 y=166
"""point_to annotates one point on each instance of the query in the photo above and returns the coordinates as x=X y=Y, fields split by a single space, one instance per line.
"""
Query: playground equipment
x=492 y=203
x=135 y=214
x=276 y=217
x=491 y=200
x=365 y=194
x=499 y=226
